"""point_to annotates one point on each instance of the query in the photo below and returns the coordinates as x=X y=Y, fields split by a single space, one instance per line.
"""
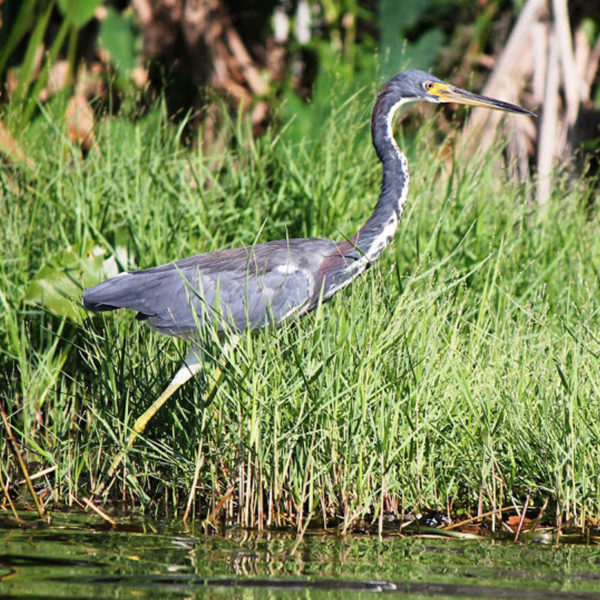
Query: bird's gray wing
x=240 y=288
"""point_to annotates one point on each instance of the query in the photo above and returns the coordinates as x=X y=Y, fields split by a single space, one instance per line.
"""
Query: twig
x=536 y=522
x=99 y=511
x=239 y=52
x=215 y=511
x=471 y=519
x=9 y=500
x=522 y=519
x=12 y=444
x=199 y=463
x=37 y=475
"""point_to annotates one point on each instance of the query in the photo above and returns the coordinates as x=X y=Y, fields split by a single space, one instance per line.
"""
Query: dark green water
x=79 y=557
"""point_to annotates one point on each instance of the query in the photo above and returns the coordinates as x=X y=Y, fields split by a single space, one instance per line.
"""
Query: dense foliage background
x=259 y=55
x=460 y=374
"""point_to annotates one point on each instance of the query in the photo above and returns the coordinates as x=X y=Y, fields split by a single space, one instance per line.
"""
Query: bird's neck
x=377 y=233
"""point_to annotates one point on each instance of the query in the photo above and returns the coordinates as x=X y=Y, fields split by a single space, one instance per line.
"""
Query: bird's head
x=418 y=85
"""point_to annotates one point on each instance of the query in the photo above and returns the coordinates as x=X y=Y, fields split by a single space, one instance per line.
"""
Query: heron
x=245 y=288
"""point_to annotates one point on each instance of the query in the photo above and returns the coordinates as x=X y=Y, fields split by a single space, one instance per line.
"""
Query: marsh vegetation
x=460 y=373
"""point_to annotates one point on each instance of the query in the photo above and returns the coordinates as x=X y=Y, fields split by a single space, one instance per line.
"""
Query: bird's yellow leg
x=191 y=366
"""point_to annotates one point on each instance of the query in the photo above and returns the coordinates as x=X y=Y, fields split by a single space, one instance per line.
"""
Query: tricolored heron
x=250 y=287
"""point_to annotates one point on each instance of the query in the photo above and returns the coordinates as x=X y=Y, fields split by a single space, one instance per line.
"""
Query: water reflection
x=77 y=557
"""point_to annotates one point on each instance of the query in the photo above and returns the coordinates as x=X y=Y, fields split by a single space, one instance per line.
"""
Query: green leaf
x=396 y=17
x=118 y=35
x=27 y=67
x=417 y=55
x=58 y=284
x=78 y=12
x=421 y=54
x=25 y=17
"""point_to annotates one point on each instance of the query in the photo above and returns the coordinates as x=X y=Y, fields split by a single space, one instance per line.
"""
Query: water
x=81 y=557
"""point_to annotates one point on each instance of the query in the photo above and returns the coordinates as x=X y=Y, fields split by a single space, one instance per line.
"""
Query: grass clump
x=460 y=373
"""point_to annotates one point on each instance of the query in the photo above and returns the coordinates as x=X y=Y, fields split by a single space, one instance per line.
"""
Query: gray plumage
x=238 y=288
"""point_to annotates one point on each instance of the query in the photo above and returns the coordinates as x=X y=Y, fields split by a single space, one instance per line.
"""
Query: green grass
x=460 y=373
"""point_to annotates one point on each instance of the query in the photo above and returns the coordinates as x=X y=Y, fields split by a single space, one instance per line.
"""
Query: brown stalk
x=215 y=511
x=10 y=502
x=537 y=521
x=470 y=520
x=98 y=511
x=14 y=448
x=38 y=475
x=199 y=463
x=522 y=519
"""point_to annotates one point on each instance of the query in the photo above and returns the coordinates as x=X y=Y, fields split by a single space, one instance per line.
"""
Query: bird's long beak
x=448 y=93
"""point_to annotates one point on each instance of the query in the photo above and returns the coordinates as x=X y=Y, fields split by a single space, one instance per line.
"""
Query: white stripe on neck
x=385 y=236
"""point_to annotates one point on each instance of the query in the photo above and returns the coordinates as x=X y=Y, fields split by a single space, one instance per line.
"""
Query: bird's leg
x=191 y=365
